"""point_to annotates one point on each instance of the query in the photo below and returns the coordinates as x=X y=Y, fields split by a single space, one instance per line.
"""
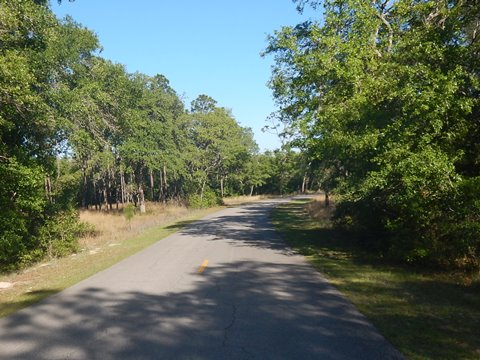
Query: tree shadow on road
x=7 y=307
x=249 y=226
x=239 y=310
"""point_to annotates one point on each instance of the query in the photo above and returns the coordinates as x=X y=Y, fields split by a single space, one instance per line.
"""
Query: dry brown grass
x=112 y=227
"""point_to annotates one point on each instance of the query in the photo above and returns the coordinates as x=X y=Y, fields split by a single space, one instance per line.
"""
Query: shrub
x=462 y=229
x=58 y=237
x=22 y=204
x=418 y=211
x=129 y=213
x=209 y=199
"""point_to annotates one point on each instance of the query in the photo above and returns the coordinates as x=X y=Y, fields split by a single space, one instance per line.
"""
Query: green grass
x=425 y=315
x=39 y=282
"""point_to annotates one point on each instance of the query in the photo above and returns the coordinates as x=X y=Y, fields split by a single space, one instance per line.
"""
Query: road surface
x=225 y=287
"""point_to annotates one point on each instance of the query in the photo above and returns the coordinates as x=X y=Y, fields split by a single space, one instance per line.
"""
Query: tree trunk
x=108 y=193
x=122 y=186
x=251 y=190
x=165 y=176
x=84 y=185
x=203 y=189
x=105 y=197
x=327 y=199
x=152 y=192
x=48 y=189
x=160 y=196
x=221 y=186
x=141 y=199
x=95 y=201
x=165 y=180
x=303 y=184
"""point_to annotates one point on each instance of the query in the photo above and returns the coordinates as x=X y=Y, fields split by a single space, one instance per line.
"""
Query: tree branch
x=381 y=16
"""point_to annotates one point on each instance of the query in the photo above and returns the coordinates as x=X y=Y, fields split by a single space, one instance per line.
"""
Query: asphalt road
x=225 y=287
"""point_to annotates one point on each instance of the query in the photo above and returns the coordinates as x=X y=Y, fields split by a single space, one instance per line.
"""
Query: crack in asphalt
x=248 y=353
x=232 y=323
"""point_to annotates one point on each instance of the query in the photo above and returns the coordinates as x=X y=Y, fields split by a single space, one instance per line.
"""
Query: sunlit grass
x=426 y=315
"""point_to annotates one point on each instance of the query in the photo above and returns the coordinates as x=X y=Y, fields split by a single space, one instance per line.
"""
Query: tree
x=219 y=146
x=256 y=172
x=203 y=104
x=385 y=93
x=38 y=57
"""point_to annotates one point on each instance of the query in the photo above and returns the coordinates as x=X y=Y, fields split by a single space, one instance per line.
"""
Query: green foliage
x=218 y=148
x=39 y=58
x=12 y=245
x=66 y=185
x=203 y=104
x=22 y=203
x=285 y=171
x=201 y=201
x=58 y=236
x=461 y=229
x=78 y=130
x=129 y=213
x=384 y=96
x=425 y=314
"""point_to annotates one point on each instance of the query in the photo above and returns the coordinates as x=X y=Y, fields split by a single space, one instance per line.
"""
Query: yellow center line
x=202 y=267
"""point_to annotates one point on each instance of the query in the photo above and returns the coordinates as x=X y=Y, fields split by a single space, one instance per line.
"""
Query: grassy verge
x=115 y=241
x=425 y=315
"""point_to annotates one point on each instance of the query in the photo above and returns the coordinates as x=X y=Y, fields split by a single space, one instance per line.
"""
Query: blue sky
x=203 y=47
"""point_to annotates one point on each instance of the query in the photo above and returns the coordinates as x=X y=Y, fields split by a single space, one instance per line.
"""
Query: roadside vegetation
x=382 y=99
x=426 y=313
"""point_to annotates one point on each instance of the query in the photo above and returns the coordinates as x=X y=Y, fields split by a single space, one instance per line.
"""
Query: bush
x=23 y=203
x=11 y=249
x=129 y=213
x=418 y=211
x=58 y=237
x=461 y=231
x=439 y=227
x=209 y=199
